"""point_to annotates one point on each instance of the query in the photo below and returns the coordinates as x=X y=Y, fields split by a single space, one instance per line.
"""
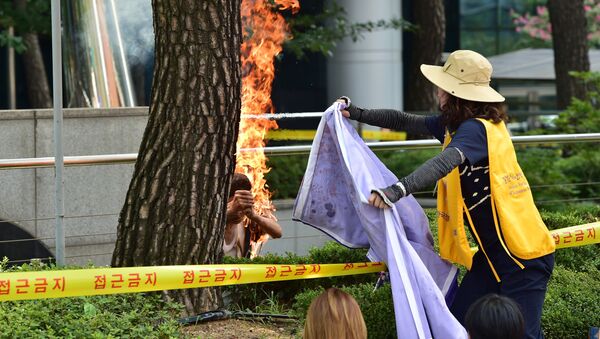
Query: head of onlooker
x=494 y=317
x=334 y=314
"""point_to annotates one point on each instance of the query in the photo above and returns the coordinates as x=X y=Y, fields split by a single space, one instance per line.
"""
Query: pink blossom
x=587 y=8
x=541 y=10
x=545 y=36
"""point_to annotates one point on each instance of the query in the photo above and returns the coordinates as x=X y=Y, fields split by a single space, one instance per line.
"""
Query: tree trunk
x=427 y=48
x=174 y=212
x=38 y=90
x=569 y=38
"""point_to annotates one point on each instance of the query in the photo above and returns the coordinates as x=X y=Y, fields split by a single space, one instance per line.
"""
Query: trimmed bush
x=118 y=316
x=584 y=258
x=286 y=174
x=249 y=296
x=572 y=304
x=134 y=315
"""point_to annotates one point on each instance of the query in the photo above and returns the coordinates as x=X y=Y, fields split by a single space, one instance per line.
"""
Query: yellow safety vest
x=516 y=218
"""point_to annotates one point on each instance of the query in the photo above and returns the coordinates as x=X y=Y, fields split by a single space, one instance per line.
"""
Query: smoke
x=135 y=22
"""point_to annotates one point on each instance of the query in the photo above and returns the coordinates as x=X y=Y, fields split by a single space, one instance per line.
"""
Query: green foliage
x=252 y=296
x=286 y=175
x=574 y=216
x=321 y=32
x=34 y=19
x=582 y=116
x=12 y=41
x=572 y=304
x=402 y=163
x=333 y=252
x=545 y=173
x=115 y=316
x=583 y=258
x=302 y=301
x=376 y=306
x=581 y=162
x=122 y=316
x=573 y=299
x=567 y=173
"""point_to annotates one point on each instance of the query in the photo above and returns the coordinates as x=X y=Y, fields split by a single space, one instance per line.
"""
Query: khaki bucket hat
x=466 y=74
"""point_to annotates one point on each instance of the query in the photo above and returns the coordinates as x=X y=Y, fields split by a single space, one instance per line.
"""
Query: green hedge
x=250 y=296
x=572 y=304
x=584 y=258
x=285 y=175
x=573 y=289
x=116 y=316
x=135 y=315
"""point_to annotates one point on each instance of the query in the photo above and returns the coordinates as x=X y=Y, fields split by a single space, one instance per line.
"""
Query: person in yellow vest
x=480 y=184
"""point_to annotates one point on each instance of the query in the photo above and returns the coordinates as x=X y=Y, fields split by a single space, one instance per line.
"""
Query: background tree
x=29 y=18
x=174 y=212
x=427 y=46
x=569 y=38
x=321 y=32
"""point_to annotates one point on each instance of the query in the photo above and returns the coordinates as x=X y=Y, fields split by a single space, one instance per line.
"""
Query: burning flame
x=264 y=31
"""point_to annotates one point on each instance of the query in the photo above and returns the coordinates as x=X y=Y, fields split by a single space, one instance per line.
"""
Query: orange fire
x=264 y=31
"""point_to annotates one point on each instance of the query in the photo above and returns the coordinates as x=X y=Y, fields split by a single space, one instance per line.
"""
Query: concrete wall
x=94 y=195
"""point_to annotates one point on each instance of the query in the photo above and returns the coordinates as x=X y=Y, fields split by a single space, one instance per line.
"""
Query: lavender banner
x=339 y=177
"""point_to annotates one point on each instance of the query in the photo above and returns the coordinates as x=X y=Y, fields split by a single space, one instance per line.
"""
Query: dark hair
x=457 y=110
x=494 y=317
x=239 y=182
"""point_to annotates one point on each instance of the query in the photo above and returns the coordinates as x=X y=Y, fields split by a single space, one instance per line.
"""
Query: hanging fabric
x=340 y=174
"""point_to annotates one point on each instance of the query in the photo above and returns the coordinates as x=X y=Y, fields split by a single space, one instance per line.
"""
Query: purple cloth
x=340 y=174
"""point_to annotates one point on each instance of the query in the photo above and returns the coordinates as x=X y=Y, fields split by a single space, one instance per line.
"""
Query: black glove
x=346 y=100
x=392 y=193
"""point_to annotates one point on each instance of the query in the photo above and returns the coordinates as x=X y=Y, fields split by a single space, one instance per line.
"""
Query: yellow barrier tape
x=383 y=135
x=580 y=235
x=300 y=134
x=97 y=281
x=100 y=281
x=291 y=134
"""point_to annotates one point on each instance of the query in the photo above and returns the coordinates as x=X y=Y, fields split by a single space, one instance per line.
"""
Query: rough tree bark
x=569 y=39
x=427 y=48
x=174 y=212
x=38 y=90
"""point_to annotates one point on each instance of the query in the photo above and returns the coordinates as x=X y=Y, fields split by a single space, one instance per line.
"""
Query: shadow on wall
x=20 y=247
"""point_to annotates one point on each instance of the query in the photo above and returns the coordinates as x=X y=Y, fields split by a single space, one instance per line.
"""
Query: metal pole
x=12 y=91
x=59 y=205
